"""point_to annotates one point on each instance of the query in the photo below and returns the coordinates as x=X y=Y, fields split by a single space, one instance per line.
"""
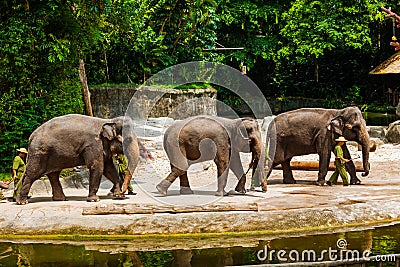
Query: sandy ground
x=284 y=207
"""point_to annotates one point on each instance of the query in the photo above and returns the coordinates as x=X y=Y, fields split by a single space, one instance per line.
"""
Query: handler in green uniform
x=18 y=169
x=121 y=162
x=339 y=163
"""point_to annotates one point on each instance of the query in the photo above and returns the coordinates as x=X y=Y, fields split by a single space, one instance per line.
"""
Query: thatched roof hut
x=391 y=79
x=389 y=66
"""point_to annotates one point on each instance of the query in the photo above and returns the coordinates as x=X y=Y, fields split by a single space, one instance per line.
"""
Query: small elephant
x=74 y=140
x=200 y=138
x=314 y=130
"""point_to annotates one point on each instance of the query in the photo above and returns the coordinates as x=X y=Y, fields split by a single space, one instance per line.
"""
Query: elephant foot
x=93 y=198
x=289 y=181
x=240 y=189
x=59 y=198
x=119 y=196
x=355 y=181
x=320 y=182
x=162 y=187
x=185 y=190
x=264 y=186
x=221 y=193
x=21 y=201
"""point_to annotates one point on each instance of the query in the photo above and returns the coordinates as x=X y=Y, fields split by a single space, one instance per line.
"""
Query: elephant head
x=250 y=140
x=118 y=137
x=350 y=124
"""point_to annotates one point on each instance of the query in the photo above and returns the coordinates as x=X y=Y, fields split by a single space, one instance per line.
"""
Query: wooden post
x=85 y=88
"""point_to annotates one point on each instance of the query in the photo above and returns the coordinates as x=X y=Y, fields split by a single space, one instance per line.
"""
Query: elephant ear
x=108 y=131
x=336 y=125
x=241 y=130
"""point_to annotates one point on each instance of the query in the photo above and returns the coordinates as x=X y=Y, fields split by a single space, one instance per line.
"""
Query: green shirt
x=122 y=163
x=338 y=151
x=18 y=166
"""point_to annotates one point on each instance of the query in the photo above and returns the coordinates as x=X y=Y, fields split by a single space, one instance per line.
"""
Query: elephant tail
x=144 y=152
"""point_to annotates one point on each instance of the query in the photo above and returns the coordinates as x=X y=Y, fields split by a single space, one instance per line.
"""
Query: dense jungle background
x=303 y=48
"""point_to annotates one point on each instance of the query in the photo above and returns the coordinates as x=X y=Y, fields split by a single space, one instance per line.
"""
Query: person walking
x=339 y=164
x=18 y=169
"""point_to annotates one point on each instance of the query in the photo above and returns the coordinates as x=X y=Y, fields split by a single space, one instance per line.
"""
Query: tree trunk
x=314 y=166
x=150 y=208
x=85 y=88
x=316 y=70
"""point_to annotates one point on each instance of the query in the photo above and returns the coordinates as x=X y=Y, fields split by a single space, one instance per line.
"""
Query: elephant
x=73 y=140
x=314 y=130
x=200 y=138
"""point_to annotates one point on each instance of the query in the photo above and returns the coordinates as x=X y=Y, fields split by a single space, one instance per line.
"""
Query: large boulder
x=393 y=132
x=377 y=131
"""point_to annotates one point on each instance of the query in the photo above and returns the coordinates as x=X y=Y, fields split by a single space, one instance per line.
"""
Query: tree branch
x=391 y=14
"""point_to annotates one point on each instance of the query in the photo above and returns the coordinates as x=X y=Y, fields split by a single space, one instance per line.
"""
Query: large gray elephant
x=73 y=140
x=200 y=138
x=312 y=130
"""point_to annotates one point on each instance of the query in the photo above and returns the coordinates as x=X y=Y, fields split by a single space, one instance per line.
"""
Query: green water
x=219 y=251
x=379 y=119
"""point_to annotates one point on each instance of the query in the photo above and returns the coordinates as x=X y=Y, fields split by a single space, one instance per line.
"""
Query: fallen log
x=314 y=166
x=150 y=208
x=372 y=146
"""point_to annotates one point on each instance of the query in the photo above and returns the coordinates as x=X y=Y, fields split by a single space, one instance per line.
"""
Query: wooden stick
x=150 y=208
x=391 y=14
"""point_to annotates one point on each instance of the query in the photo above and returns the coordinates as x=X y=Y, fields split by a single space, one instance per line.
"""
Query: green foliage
x=156 y=258
x=383 y=245
x=315 y=27
x=379 y=107
x=38 y=78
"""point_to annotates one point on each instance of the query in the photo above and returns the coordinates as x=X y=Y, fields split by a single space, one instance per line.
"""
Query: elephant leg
x=270 y=166
x=324 y=147
x=222 y=163
x=287 y=172
x=236 y=166
x=350 y=167
x=94 y=184
x=112 y=174
x=96 y=168
x=28 y=179
x=324 y=159
x=163 y=186
x=35 y=168
x=58 y=194
x=185 y=186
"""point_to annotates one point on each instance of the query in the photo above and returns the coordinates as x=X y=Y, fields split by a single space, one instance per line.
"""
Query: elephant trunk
x=257 y=162
x=365 y=145
x=131 y=151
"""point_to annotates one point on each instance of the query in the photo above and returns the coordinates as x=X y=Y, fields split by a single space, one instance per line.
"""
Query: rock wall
x=113 y=101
